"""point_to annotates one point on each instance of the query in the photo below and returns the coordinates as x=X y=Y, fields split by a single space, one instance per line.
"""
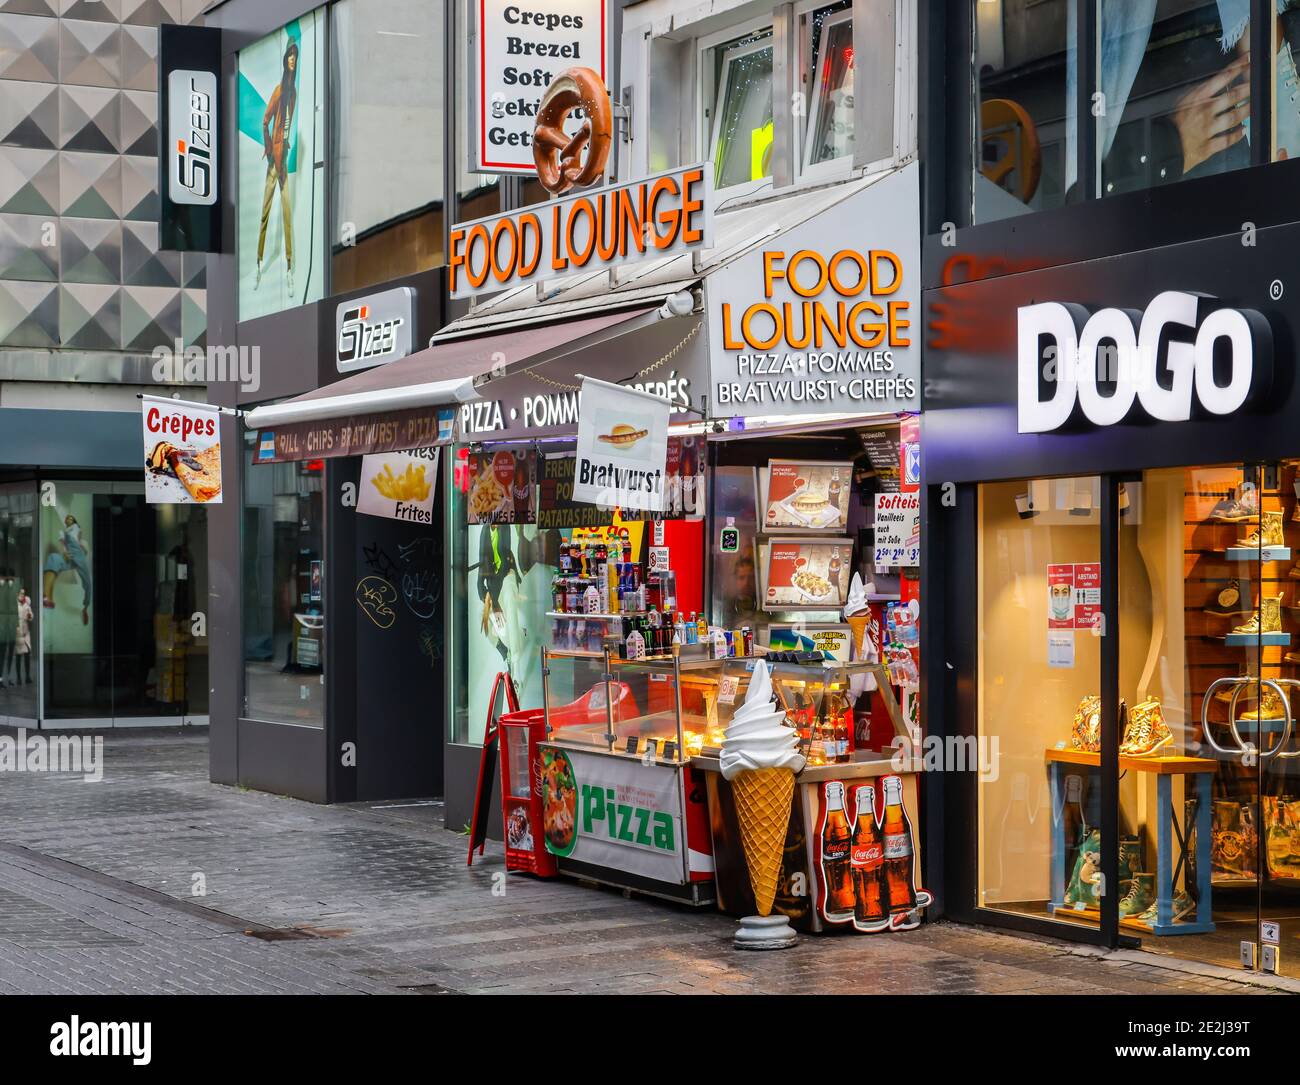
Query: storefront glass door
x=19 y=606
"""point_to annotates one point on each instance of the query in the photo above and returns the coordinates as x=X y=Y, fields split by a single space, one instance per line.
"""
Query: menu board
x=882 y=448
x=808 y=496
x=807 y=574
x=499 y=487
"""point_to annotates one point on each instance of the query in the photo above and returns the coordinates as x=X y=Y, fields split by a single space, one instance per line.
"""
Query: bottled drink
x=703 y=627
x=899 y=859
x=835 y=487
x=867 y=859
x=837 y=841
x=841 y=734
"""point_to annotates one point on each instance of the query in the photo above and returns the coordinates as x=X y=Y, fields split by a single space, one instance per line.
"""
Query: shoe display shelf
x=1257 y=553
x=1172 y=837
x=1251 y=640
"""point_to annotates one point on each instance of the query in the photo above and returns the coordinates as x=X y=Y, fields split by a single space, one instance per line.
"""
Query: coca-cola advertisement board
x=865 y=861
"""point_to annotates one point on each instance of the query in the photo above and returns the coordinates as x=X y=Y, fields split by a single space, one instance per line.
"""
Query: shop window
x=1038 y=709
x=1286 y=83
x=20 y=605
x=386 y=82
x=1025 y=123
x=829 y=57
x=1175 y=83
x=283 y=556
x=738 y=112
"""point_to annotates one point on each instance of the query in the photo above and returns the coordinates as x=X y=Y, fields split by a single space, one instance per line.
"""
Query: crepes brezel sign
x=1162 y=363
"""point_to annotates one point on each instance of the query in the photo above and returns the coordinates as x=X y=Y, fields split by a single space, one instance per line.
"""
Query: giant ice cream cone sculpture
x=857 y=612
x=760 y=757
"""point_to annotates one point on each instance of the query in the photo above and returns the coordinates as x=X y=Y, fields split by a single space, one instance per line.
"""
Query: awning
x=409 y=403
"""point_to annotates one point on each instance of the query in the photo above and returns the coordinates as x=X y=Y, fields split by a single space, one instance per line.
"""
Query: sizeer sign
x=662 y=215
x=1164 y=363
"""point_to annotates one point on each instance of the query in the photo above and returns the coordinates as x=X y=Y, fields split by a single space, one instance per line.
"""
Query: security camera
x=680 y=304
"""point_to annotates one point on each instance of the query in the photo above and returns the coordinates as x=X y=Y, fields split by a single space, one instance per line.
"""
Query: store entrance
x=19 y=606
x=1206 y=847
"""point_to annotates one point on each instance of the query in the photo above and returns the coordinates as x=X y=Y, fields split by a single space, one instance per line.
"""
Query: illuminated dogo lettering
x=1153 y=363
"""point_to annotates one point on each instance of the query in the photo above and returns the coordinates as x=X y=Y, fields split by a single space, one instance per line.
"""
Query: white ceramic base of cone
x=765 y=932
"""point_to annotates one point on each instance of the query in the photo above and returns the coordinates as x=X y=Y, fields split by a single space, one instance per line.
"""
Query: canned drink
x=747 y=636
x=559 y=602
x=731 y=642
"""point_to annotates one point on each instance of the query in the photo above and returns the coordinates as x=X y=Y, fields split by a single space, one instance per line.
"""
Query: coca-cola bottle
x=837 y=841
x=899 y=856
x=867 y=859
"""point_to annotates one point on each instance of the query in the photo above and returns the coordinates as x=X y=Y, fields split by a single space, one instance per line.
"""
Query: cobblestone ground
x=97 y=894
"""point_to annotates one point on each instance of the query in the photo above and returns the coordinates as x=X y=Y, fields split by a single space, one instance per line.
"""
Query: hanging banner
x=189 y=71
x=182 y=452
x=622 y=452
x=399 y=485
x=522 y=48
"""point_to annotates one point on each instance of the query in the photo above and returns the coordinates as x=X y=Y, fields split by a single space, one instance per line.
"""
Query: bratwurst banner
x=622 y=452
x=662 y=215
x=182 y=452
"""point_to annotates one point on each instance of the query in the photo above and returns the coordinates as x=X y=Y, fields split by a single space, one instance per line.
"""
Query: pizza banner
x=182 y=452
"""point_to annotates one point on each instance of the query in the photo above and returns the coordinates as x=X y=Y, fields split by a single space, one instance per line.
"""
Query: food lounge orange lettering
x=815 y=322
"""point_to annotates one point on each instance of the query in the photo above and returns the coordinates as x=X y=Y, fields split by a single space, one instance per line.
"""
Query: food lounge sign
x=662 y=215
x=820 y=320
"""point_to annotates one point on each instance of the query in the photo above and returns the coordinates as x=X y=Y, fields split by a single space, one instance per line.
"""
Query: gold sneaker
x=1147 y=731
x=1268 y=533
x=1270 y=707
x=1268 y=619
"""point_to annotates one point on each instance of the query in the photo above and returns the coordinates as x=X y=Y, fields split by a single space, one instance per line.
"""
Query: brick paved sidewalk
x=97 y=894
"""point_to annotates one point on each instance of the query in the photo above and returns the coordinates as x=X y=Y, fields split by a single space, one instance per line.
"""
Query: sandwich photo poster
x=622 y=454
x=281 y=161
x=807 y=574
x=182 y=452
x=805 y=495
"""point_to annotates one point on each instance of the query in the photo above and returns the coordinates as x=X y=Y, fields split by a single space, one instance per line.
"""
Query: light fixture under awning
x=397 y=406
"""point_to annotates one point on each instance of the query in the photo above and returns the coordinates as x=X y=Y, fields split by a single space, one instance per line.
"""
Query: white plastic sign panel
x=523 y=46
x=182 y=452
x=622 y=451
x=399 y=485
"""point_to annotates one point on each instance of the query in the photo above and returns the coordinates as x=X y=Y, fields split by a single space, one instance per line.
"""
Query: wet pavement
x=155 y=880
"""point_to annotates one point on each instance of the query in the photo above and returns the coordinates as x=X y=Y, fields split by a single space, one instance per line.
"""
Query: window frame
x=809 y=66
x=709 y=126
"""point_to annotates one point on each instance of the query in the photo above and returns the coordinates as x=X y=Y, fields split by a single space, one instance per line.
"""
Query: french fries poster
x=400 y=485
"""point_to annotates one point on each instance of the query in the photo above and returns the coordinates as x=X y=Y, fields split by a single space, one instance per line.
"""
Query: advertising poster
x=807 y=574
x=558 y=35
x=1073 y=595
x=501 y=487
x=182 y=452
x=898 y=530
x=833 y=639
x=399 y=485
x=281 y=197
x=813 y=496
x=67 y=561
x=622 y=454
x=613 y=812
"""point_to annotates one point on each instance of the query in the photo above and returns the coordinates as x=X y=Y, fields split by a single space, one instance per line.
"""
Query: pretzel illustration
x=560 y=165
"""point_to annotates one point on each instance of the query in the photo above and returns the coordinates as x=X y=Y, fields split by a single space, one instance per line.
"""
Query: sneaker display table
x=1170 y=830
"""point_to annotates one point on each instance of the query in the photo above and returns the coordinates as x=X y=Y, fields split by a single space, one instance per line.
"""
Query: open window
x=736 y=89
x=828 y=80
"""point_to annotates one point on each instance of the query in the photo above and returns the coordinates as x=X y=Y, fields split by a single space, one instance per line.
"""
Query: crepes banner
x=182 y=452
x=622 y=453
x=399 y=485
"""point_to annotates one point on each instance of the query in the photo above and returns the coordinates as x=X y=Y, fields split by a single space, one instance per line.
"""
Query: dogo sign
x=1158 y=361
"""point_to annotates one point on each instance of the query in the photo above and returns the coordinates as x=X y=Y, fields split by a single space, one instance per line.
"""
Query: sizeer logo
x=192 y=112
x=625 y=822
x=1177 y=357
x=359 y=339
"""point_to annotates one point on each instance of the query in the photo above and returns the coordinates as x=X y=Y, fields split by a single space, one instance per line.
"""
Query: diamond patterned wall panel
x=30 y=7
x=90 y=54
x=140 y=57
x=90 y=119
x=139 y=188
x=29 y=182
x=194 y=318
x=195 y=265
x=29 y=48
x=90 y=317
x=24 y=253
x=91 y=250
x=192 y=9
x=29 y=115
x=142 y=263
x=90 y=185
x=153 y=12
x=100 y=11
x=139 y=132
x=151 y=316
x=29 y=314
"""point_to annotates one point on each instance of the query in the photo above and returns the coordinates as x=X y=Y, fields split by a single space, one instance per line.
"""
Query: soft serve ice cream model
x=857 y=612
x=760 y=758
